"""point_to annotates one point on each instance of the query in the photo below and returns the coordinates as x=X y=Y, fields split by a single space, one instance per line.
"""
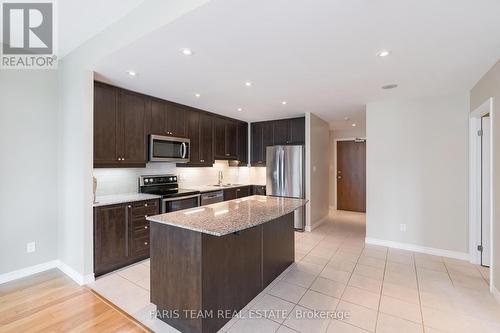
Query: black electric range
x=173 y=198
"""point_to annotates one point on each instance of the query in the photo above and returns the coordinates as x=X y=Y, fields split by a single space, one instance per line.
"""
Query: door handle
x=339 y=177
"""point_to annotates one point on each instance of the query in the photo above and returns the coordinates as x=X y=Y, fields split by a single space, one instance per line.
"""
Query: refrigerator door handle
x=282 y=171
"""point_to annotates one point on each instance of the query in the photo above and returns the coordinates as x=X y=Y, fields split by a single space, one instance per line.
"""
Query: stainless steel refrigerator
x=285 y=171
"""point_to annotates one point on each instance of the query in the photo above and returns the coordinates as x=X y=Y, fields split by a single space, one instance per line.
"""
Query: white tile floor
x=382 y=290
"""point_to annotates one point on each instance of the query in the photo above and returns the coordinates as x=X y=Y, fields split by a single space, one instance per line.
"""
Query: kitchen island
x=208 y=262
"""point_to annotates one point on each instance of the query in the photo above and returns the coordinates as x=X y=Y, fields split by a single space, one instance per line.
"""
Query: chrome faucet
x=220 y=178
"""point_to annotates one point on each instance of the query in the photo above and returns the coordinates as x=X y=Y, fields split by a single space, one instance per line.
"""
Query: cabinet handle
x=228 y=154
x=145 y=216
x=145 y=243
x=129 y=206
x=119 y=158
x=145 y=205
x=237 y=190
x=202 y=161
x=145 y=227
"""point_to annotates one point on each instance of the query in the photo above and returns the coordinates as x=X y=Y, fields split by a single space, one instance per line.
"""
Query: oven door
x=179 y=203
x=168 y=149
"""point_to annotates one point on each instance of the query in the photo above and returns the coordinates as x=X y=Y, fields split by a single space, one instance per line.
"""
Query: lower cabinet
x=259 y=190
x=236 y=192
x=121 y=234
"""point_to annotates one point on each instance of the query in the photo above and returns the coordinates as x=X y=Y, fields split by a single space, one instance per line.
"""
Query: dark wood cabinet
x=199 y=129
x=262 y=136
x=193 y=133
x=158 y=120
x=111 y=240
x=121 y=234
x=243 y=143
x=119 y=127
x=275 y=132
x=297 y=131
x=225 y=139
x=236 y=192
x=259 y=190
x=206 y=139
x=175 y=118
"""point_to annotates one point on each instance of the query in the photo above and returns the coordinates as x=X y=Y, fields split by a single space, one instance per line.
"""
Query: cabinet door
x=256 y=144
x=131 y=141
x=243 y=143
x=220 y=138
x=231 y=139
x=111 y=240
x=259 y=190
x=105 y=125
x=267 y=138
x=158 y=117
x=193 y=133
x=206 y=139
x=280 y=128
x=297 y=130
x=175 y=120
x=242 y=192
x=230 y=194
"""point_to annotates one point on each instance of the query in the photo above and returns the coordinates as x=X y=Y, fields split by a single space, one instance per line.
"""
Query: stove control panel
x=157 y=180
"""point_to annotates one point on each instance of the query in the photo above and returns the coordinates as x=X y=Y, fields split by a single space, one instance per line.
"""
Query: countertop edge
x=125 y=197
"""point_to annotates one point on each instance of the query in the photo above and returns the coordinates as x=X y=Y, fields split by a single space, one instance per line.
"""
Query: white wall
x=76 y=105
x=489 y=86
x=317 y=170
x=28 y=167
x=417 y=158
x=358 y=132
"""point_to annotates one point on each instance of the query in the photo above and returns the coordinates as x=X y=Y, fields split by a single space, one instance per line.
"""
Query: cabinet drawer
x=143 y=208
x=140 y=224
x=141 y=244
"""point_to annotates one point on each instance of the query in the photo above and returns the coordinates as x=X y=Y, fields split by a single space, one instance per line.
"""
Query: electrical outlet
x=402 y=227
x=31 y=247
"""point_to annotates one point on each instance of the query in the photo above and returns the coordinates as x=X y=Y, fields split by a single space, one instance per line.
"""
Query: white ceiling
x=318 y=55
x=81 y=20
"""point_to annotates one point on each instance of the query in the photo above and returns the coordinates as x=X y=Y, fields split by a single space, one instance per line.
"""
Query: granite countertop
x=212 y=188
x=113 y=199
x=226 y=217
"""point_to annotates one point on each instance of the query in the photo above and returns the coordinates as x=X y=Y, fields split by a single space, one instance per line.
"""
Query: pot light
x=353 y=125
x=390 y=86
x=248 y=84
x=239 y=109
x=132 y=73
x=187 y=52
x=383 y=53
x=346 y=118
x=284 y=102
x=197 y=95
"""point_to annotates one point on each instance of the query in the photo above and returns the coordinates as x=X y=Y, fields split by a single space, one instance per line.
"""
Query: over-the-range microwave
x=168 y=149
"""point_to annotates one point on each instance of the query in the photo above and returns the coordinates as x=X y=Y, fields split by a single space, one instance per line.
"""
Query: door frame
x=335 y=164
x=475 y=182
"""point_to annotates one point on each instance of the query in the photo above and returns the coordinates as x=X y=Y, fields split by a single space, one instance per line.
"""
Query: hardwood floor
x=51 y=302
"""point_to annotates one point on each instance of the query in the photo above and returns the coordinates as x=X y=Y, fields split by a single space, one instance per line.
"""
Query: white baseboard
x=310 y=228
x=74 y=275
x=418 y=248
x=24 y=272
x=495 y=293
x=20 y=273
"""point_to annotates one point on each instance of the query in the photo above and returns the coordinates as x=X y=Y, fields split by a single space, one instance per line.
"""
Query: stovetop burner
x=164 y=185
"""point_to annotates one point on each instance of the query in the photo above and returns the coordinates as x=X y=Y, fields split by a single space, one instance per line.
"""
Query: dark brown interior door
x=351 y=176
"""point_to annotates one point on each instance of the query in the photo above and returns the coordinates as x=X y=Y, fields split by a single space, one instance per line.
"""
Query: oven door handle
x=181 y=198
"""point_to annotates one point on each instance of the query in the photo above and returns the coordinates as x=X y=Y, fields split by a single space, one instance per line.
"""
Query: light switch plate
x=31 y=247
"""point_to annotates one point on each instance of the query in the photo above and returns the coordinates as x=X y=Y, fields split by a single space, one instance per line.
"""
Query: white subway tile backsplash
x=116 y=181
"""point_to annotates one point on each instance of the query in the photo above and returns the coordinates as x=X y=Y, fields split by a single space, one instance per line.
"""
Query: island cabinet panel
x=278 y=247
x=194 y=273
x=224 y=292
x=259 y=190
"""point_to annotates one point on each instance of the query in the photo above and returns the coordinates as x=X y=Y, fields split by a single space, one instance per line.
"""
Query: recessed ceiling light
x=353 y=125
x=383 y=53
x=187 y=51
x=197 y=95
x=390 y=86
x=248 y=84
x=239 y=109
x=346 y=118
x=132 y=73
x=284 y=102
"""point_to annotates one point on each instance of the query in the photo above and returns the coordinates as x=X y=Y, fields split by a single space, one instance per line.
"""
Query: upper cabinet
x=123 y=121
x=275 y=132
x=119 y=127
x=225 y=139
